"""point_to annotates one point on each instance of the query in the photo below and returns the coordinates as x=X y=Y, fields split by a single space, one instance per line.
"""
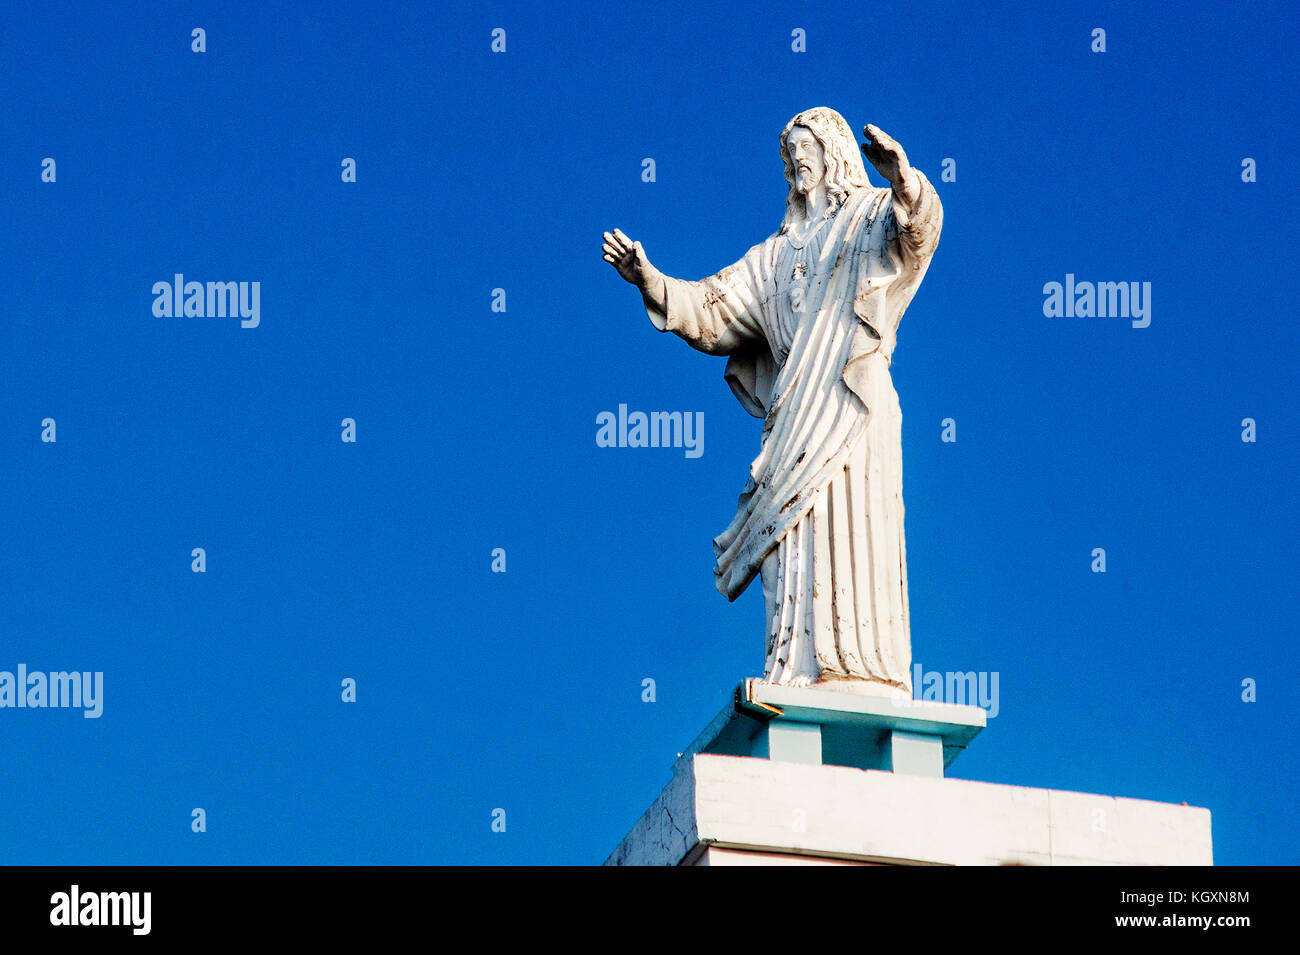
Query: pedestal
x=839 y=728
x=786 y=776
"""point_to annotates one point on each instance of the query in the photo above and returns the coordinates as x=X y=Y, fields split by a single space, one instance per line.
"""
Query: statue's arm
x=654 y=294
x=916 y=207
x=718 y=314
x=918 y=214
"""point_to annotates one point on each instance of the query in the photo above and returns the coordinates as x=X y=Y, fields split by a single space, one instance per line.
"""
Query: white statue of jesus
x=809 y=318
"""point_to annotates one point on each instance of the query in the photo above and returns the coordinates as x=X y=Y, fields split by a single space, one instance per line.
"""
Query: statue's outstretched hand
x=884 y=152
x=629 y=259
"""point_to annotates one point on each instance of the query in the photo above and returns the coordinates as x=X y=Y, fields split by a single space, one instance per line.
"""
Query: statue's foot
x=803 y=679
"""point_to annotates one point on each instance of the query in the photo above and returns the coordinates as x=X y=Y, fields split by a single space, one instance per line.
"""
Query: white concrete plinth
x=808 y=776
x=738 y=810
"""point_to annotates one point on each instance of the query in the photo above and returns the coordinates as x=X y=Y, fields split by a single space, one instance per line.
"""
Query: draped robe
x=809 y=327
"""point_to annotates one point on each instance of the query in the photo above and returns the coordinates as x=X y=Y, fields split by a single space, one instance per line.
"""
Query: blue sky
x=476 y=429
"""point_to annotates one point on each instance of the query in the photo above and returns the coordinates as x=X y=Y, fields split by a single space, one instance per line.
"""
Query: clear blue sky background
x=477 y=429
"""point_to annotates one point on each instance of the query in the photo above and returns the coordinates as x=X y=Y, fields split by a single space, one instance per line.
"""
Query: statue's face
x=806 y=156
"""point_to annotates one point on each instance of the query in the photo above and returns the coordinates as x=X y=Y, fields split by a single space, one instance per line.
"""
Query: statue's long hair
x=844 y=169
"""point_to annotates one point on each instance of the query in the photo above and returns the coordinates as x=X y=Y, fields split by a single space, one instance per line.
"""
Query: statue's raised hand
x=629 y=259
x=884 y=152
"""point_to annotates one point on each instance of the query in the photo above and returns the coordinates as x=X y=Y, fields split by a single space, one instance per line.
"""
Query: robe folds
x=809 y=325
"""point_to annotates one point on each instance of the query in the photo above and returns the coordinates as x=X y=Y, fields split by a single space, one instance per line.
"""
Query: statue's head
x=827 y=152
